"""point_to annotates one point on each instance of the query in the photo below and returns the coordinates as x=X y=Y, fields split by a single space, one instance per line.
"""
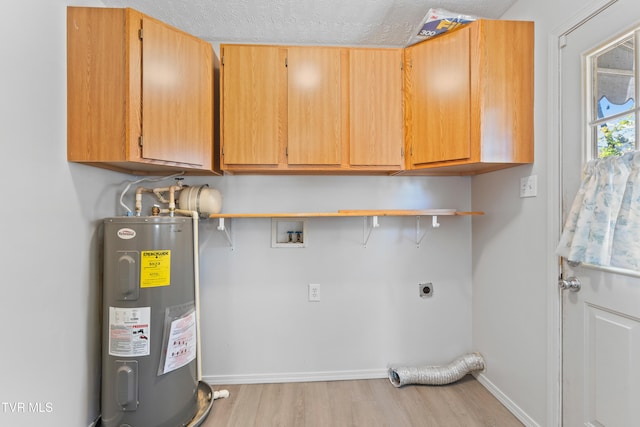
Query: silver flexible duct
x=437 y=375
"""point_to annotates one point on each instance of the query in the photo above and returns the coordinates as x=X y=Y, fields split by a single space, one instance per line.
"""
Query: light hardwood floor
x=366 y=403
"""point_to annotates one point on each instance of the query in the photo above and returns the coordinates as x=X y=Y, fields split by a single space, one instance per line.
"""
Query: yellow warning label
x=155 y=269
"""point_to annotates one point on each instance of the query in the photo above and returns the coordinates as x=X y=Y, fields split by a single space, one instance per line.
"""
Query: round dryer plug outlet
x=426 y=289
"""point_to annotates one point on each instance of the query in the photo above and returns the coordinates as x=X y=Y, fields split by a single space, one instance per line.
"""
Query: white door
x=601 y=321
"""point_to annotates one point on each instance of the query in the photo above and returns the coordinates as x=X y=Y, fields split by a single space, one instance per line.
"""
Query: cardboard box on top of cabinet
x=439 y=21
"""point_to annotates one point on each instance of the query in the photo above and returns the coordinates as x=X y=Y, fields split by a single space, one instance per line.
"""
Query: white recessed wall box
x=289 y=232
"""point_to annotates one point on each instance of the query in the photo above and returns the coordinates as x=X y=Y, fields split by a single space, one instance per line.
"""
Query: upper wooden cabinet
x=314 y=101
x=254 y=99
x=311 y=109
x=140 y=94
x=469 y=99
x=375 y=108
x=467 y=106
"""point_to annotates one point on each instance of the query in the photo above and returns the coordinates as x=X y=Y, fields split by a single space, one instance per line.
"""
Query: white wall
x=257 y=322
x=513 y=261
x=50 y=267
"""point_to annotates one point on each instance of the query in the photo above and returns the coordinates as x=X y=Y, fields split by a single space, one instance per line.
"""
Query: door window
x=612 y=91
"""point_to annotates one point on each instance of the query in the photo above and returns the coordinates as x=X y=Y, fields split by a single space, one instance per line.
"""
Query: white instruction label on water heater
x=129 y=331
x=181 y=348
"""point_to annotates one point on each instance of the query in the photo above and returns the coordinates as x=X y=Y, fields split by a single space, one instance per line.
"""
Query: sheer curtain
x=603 y=225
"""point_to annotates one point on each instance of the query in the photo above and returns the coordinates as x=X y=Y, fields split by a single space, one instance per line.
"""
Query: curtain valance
x=603 y=225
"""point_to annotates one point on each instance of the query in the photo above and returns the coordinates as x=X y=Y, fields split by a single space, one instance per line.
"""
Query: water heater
x=149 y=335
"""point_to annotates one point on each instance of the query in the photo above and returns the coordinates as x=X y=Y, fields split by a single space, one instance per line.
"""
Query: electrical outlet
x=426 y=289
x=314 y=292
x=529 y=186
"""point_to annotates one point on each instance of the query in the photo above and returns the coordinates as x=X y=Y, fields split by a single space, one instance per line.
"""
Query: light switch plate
x=529 y=186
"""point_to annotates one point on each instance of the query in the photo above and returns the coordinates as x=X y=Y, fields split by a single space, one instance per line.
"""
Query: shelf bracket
x=222 y=227
x=434 y=224
x=368 y=228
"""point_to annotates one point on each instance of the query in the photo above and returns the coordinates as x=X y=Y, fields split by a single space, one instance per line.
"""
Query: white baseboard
x=290 y=377
x=508 y=403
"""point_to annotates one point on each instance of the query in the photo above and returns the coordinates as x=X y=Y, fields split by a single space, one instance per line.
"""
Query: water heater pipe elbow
x=220 y=394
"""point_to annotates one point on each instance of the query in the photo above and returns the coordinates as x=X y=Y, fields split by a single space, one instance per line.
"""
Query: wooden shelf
x=370 y=218
x=349 y=213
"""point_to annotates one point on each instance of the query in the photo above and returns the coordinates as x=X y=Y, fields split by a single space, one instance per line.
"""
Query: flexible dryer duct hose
x=437 y=375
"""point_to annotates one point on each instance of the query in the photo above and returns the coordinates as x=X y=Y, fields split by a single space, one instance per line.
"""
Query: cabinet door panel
x=505 y=72
x=252 y=122
x=177 y=96
x=314 y=105
x=439 y=88
x=376 y=118
x=96 y=85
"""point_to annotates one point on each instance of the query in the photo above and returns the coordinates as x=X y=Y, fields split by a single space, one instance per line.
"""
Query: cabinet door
x=503 y=78
x=375 y=103
x=97 y=76
x=438 y=98
x=253 y=102
x=177 y=96
x=314 y=106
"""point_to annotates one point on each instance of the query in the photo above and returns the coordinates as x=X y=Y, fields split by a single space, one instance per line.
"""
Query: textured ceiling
x=303 y=22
